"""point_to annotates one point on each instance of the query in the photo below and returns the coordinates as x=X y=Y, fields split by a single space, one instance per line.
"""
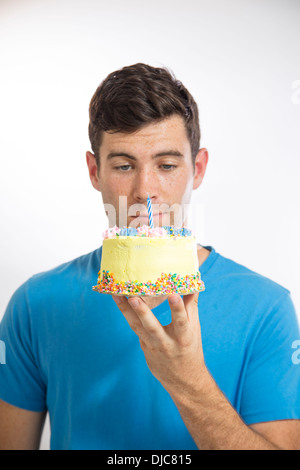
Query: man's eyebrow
x=173 y=153
x=119 y=154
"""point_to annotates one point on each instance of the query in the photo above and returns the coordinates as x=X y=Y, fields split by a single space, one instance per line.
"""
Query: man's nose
x=145 y=183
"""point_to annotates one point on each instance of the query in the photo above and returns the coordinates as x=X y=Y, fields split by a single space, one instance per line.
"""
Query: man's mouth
x=146 y=216
x=159 y=219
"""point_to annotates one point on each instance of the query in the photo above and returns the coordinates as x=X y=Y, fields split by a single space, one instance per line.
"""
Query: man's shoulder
x=66 y=277
x=245 y=297
x=80 y=264
x=243 y=278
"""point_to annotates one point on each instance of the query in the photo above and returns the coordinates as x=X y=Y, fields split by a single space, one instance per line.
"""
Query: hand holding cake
x=174 y=352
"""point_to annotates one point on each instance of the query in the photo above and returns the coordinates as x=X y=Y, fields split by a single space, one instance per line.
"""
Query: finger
x=180 y=321
x=129 y=314
x=149 y=321
x=191 y=305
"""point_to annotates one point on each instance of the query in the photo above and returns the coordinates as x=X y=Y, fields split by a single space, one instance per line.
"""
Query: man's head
x=145 y=136
x=138 y=95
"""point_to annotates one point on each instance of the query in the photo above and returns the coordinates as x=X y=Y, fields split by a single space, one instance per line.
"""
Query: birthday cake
x=149 y=261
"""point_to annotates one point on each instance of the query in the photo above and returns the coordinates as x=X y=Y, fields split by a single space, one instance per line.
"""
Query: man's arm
x=215 y=425
x=174 y=355
x=20 y=429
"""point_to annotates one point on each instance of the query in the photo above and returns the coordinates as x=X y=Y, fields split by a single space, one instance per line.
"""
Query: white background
x=239 y=59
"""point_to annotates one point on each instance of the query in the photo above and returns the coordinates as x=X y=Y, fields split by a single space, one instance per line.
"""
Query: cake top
x=146 y=231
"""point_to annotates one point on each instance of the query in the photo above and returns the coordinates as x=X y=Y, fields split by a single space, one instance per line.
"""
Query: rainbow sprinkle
x=166 y=284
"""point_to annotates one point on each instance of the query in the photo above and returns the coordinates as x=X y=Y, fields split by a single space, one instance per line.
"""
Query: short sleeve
x=21 y=382
x=272 y=384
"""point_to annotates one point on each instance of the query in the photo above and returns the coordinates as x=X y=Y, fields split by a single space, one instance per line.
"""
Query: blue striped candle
x=149 y=207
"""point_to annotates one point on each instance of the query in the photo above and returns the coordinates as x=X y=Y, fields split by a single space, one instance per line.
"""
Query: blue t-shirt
x=70 y=350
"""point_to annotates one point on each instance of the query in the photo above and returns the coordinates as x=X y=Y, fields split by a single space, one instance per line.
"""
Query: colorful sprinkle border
x=166 y=284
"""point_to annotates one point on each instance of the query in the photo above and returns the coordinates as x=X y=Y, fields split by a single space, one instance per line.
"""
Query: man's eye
x=168 y=167
x=123 y=167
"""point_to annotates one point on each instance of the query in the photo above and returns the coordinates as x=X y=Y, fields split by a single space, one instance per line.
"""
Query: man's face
x=155 y=160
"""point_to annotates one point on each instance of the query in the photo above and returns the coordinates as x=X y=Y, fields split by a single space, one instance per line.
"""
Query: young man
x=166 y=373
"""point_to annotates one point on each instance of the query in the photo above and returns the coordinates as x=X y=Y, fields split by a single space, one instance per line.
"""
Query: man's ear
x=200 y=167
x=93 y=170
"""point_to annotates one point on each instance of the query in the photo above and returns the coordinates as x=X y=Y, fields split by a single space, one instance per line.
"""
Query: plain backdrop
x=239 y=59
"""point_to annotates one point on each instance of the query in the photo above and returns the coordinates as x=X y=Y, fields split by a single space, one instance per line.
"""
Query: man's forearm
x=212 y=421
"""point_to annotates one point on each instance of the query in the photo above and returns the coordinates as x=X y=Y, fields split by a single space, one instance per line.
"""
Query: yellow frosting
x=144 y=259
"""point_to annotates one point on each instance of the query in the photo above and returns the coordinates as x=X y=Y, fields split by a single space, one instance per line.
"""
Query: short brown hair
x=137 y=95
